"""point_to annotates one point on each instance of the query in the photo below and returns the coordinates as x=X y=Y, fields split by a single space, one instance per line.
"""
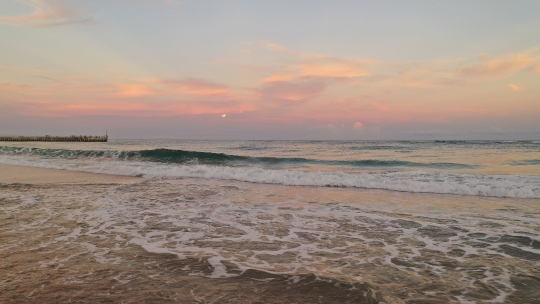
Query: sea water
x=379 y=221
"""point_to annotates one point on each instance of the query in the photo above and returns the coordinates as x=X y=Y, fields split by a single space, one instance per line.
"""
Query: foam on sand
x=180 y=231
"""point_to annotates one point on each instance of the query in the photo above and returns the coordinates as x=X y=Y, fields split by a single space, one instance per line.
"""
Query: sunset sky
x=276 y=69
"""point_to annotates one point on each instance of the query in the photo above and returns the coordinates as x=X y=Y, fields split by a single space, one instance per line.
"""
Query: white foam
x=132 y=214
x=513 y=186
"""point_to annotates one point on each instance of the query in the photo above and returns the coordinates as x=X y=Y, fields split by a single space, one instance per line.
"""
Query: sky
x=253 y=69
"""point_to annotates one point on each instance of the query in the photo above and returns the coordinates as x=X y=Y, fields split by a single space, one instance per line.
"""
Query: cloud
x=500 y=65
x=173 y=87
x=331 y=68
x=420 y=76
x=132 y=90
x=290 y=66
x=10 y=87
x=380 y=106
x=198 y=87
x=292 y=88
x=123 y=108
x=47 y=13
x=358 y=125
x=535 y=69
x=460 y=72
x=151 y=97
x=306 y=65
x=515 y=87
x=320 y=68
x=292 y=91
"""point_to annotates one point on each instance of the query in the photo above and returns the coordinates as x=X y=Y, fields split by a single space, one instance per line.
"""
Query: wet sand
x=92 y=238
x=50 y=253
x=10 y=174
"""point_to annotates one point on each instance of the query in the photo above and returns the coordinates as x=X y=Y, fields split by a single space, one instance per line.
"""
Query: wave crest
x=512 y=186
x=221 y=159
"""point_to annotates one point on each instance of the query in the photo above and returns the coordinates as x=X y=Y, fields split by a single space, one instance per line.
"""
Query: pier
x=75 y=138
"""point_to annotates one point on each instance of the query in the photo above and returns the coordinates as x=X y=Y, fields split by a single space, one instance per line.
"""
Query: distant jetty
x=78 y=138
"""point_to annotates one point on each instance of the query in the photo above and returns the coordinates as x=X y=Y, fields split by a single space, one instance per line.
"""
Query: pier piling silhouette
x=74 y=138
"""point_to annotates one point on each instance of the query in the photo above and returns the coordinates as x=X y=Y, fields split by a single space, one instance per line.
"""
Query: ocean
x=284 y=221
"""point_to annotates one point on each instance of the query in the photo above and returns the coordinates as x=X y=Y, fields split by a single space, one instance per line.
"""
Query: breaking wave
x=512 y=186
x=220 y=159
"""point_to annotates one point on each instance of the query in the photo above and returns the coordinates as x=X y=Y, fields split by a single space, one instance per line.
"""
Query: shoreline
x=78 y=236
x=13 y=174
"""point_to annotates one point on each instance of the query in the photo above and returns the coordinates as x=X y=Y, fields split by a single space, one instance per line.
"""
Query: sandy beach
x=70 y=236
x=63 y=241
x=11 y=174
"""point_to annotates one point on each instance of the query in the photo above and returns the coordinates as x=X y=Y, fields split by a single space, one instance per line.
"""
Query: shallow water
x=193 y=240
x=275 y=222
x=477 y=168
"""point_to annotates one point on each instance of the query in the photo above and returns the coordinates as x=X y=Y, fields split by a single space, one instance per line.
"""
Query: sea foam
x=512 y=186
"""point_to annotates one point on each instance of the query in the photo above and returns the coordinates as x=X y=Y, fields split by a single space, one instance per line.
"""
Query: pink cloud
x=462 y=72
x=326 y=69
x=292 y=91
x=143 y=97
x=10 y=87
x=171 y=87
x=535 y=69
x=379 y=105
x=305 y=65
x=515 y=87
x=501 y=65
x=132 y=90
x=332 y=69
x=358 y=125
x=198 y=87
x=290 y=66
x=130 y=109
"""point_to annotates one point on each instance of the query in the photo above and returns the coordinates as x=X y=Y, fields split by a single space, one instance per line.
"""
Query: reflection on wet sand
x=200 y=241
